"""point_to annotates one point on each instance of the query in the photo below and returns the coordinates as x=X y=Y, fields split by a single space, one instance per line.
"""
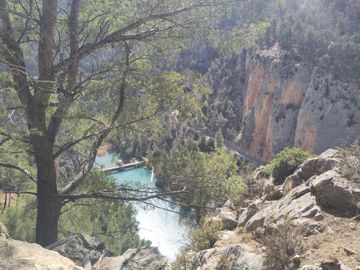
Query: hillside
x=310 y=221
x=280 y=101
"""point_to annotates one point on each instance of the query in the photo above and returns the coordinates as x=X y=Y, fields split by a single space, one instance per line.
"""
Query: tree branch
x=18 y=168
x=101 y=137
x=123 y=34
x=13 y=55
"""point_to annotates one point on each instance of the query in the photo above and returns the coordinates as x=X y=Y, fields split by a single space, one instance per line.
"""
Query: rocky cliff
x=312 y=225
x=77 y=252
x=282 y=101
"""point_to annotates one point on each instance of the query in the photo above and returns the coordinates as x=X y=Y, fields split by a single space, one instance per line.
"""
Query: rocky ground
x=74 y=253
x=311 y=221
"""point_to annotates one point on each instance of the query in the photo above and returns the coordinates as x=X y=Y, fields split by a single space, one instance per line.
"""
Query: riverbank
x=159 y=220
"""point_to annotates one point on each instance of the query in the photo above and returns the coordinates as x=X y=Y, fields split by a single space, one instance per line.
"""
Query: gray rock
x=297 y=204
x=228 y=217
x=233 y=257
x=330 y=153
x=311 y=167
x=356 y=193
x=304 y=206
x=311 y=228
x=311 y=267
x=134 y=259
x=334 y=193
x=25 y=256
x=259 y=219
x=333 y=265
x=274 y=195
x=78 y=246
x=247 y=214
x=3 y=231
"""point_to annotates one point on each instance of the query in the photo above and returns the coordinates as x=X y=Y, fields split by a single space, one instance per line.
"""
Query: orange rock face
x=104 y=149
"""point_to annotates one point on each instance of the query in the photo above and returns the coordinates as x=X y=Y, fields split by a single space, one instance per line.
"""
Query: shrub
x=205 y=235
x=350 y=160
x=282 y=244
x=286 y=162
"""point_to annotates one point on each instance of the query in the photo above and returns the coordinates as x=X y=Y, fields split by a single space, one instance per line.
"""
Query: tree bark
x=48 y=201
x=48 y=214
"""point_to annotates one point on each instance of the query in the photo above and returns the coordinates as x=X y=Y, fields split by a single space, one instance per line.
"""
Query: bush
x=286 y=162
x=350 y=160
x=282 y=244
x=205 y=235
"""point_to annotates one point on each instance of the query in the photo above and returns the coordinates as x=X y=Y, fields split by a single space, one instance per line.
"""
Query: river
x=163 y=228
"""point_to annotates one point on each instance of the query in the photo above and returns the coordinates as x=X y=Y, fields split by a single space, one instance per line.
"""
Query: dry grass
x=282 y=244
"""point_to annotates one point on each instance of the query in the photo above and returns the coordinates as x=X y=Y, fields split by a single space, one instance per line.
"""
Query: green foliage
x=205 y=236
x=210 y=178
x=324 y=32
x=286 y=162
x=20 y=219
x=219 y=139
x=112 y=222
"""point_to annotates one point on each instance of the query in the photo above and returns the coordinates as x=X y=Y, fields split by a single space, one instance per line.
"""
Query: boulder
x=310 y=168
x=3 y=231
x=26 y=256
x=79 y=248
x=297 y=204
x=334 y=193
x=247 y=214
x=330 y=153
x=333 y=265
x=259 y=219
x=228 y=216
x=304 y=206
x=134 y=259
x=231 y=257
x=272 y=192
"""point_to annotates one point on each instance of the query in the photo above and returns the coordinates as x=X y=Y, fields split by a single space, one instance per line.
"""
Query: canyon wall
x=282 y=101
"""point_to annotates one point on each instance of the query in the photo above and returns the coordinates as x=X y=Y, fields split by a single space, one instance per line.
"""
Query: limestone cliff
x=282 y=101
x=312 y=225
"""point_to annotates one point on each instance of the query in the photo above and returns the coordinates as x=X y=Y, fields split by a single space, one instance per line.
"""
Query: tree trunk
x=48 y=202
x=48 y=213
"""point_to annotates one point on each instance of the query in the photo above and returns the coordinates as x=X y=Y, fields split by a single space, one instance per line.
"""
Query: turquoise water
x=140 y=176
x=163 y=228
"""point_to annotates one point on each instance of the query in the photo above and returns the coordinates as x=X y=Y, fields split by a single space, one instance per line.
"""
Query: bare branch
x=18 y=168
x=124 y=34
x=101 y=137
x=13 y=55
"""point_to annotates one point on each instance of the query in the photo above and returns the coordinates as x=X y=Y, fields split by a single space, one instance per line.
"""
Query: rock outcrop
x=228 y=216
x=318 y=208
x=3 y=231
x=80 y=248
x=282 y=101
x=317 y=185
x=232 y=257
x=312 y=167
x=134 y=259
x=73 y=252
x=26 y=256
